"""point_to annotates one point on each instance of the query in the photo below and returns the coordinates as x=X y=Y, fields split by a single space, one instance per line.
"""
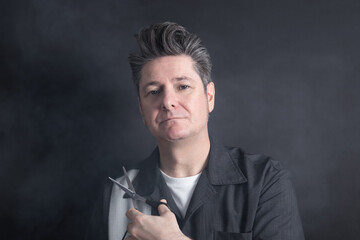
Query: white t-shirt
x=181 y=190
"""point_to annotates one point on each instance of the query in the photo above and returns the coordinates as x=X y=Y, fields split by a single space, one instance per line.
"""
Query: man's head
x=172 y=76
x=169 y=39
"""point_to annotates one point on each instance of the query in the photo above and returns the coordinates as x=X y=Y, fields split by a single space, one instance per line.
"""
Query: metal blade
x=131 y=187
x=130 y=193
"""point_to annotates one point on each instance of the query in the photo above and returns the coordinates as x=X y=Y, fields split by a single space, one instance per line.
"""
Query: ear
x=141 y=112
x=210 y=91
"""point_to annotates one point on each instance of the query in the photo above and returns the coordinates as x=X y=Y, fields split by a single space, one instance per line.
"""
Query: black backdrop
x=287 y=85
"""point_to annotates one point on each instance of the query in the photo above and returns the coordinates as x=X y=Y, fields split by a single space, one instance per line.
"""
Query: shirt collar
x=221 y=169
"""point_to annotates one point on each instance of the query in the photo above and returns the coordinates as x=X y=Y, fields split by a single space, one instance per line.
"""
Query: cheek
x=149 y=113
x=198 y=105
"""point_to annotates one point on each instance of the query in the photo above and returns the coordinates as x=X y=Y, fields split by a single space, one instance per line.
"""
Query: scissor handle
x=156 y=204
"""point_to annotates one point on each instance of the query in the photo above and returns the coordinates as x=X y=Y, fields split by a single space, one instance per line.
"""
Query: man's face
x=172 y=99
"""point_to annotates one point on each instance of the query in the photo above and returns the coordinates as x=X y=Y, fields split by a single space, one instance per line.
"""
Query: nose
x=169 y=101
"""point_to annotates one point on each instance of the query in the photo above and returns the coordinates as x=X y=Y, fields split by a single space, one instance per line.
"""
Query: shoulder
x=257 y=167
x=252 y=160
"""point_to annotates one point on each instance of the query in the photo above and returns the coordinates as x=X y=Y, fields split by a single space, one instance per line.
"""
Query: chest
x=229 y=214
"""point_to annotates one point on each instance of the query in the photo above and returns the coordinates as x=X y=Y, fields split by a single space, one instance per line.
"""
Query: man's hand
x=146 y=227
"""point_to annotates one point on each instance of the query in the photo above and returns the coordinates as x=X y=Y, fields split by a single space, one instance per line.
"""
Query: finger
x=132 y=213
x=129 y=227
x=162 y=208
x=129 y=238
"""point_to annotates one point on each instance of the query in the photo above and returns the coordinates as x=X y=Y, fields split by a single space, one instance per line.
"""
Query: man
x=214 y=192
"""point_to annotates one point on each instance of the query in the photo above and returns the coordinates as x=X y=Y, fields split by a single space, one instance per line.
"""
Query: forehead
x=168 y=68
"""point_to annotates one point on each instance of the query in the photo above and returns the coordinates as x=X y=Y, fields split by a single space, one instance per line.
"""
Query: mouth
x=169 y=119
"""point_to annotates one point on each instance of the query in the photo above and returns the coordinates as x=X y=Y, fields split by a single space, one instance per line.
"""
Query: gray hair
x=169 y=39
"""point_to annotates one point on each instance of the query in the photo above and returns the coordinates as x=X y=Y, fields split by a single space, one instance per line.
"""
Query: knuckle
x=132 y=230
x=140 y=219
x=134 y=234
x=128 y=213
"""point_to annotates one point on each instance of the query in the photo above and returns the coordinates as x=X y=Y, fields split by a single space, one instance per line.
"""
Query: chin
x=173 y=136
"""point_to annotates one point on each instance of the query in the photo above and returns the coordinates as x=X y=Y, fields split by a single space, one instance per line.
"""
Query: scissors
x=130 y=191
x=134 y=196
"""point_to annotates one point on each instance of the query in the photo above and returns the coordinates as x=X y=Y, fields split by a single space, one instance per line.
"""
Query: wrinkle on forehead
x=168 y=68
x=182 y=65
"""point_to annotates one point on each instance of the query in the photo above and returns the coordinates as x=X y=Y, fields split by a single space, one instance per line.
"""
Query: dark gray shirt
x=238 y=196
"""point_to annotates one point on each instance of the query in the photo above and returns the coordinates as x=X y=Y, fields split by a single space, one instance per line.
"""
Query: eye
x=183 y=87
x=154 y=92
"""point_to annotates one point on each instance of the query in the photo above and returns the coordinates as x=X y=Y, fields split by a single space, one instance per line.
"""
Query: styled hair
x=169 y=39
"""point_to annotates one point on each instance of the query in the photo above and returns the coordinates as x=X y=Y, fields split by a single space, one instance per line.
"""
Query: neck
x=185 y=157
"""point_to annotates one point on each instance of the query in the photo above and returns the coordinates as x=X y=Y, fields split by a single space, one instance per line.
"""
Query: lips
x=172 y=118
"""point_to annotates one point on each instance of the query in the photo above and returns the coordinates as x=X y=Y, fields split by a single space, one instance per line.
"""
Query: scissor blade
x=130 y=193
x=125 y=189
x=131 y=187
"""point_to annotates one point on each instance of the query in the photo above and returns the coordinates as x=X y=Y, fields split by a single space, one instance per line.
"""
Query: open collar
x=149 y=174
x=221 y=169
x=150 y=183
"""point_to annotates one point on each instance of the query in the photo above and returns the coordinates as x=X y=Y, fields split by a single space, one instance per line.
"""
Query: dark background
x=287 y=85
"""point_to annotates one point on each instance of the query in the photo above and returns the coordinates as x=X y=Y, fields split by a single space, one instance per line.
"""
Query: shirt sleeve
x=277 y=215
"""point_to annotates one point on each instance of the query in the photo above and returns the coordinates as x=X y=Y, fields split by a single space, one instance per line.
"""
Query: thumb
x=162 y=208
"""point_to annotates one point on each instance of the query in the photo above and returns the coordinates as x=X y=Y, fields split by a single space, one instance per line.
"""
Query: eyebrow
x=183 y=78
x=152 y=83
x=177 y=79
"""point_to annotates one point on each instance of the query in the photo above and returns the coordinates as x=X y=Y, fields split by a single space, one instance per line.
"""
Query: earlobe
x=210 y=89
